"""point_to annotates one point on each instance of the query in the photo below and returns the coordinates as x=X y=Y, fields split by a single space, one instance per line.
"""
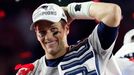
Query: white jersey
x=86 y=58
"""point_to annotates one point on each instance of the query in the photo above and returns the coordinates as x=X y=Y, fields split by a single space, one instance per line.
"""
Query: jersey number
x=81 y=70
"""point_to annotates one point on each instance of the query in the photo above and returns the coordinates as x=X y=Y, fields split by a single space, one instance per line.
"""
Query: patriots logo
x=45 y=7
x=78 y=7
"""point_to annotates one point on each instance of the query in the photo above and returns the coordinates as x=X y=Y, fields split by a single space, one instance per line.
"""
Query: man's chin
x=52 y=51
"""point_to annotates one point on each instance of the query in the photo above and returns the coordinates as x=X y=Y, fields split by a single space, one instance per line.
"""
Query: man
x=90 y=56
x=125 y=55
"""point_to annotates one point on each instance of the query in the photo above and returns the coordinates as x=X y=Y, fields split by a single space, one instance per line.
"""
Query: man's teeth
x=51 y=42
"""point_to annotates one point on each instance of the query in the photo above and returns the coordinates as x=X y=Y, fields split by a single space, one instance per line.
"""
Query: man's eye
x=54 y=29
x=42 y=33
x=55 y=33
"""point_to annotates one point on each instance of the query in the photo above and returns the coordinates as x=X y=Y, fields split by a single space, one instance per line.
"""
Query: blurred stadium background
x=19 y=45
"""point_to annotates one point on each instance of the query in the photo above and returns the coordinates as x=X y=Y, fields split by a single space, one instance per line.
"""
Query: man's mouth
x=51 y=42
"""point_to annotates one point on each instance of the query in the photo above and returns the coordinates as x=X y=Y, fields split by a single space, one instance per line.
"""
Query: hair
x=63 y=22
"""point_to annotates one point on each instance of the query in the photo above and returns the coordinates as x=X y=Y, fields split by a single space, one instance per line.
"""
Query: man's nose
x=49 y=35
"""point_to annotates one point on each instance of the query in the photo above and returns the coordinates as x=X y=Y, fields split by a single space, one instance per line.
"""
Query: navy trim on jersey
x=82 y=70
x=110 y=56
x=75 y=49
x=106 y=35
x=97 y=63
x=77 y=62
x=78 y=45
x=53 y=62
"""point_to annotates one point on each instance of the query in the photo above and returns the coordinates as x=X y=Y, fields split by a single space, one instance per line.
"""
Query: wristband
x=80 y=10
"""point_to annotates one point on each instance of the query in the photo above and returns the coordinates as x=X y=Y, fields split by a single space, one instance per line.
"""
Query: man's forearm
x=108 y=13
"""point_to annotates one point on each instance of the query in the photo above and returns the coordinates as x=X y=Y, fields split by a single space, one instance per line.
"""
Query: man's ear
x=67 y=29
x=37 y=36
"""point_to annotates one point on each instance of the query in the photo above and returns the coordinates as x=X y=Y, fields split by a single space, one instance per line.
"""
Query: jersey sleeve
x=103 y=39
x=38 y=65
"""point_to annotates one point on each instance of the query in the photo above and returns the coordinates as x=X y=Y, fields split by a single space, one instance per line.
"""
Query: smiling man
x=88 y=57
x=52 y=38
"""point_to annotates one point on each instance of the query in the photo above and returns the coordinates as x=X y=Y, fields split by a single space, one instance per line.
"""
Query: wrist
x=80 y=10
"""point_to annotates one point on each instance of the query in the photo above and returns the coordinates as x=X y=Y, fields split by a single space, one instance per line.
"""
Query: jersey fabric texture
x=88 y=57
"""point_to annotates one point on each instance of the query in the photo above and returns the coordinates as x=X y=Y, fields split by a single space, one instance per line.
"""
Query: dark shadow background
x=19 y=45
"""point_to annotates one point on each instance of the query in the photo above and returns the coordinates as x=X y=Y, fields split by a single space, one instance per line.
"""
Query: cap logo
x=51 y=8
x=45 y=7
x=46 y=13
x=48 y=8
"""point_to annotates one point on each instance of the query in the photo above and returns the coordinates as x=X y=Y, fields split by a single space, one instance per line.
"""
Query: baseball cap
x=48 y=11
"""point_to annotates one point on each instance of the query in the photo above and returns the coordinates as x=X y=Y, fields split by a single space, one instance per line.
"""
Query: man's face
x=52 y=36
